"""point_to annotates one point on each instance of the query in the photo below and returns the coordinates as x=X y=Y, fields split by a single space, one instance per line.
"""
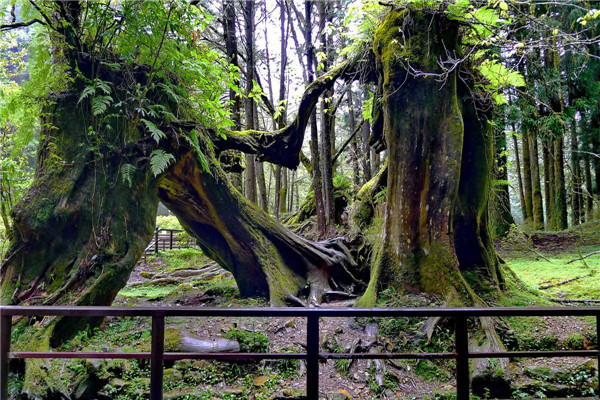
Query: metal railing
x=166 y=239
x=312 y=356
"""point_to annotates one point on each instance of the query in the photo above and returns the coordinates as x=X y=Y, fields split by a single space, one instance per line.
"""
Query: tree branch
x=282 y=147
x=17 y=25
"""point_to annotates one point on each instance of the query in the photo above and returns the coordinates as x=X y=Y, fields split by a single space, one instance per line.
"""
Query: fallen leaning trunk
x=265 y=258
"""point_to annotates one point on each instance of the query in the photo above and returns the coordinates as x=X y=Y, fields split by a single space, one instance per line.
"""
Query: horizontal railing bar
x=299 y=356
x=96 y=311
x=167 y=356
x=535 y=354
x=235 y=356
x=75 y=354
x=386 y=356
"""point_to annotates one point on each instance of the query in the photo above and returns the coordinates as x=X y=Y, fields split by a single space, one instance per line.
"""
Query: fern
x=159 y=161
x=127 y=173
x=156 y=133
x=100 y=104
x=193 y=140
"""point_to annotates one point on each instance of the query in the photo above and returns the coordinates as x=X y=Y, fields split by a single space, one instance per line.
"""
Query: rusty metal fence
x=157 y=355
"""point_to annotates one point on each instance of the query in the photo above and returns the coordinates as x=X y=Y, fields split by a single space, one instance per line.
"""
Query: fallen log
x=543 y=287
x=584 y=257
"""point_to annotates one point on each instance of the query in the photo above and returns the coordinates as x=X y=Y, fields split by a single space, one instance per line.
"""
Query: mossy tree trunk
x=440 y=155
x=79 y=230
x=265 y=258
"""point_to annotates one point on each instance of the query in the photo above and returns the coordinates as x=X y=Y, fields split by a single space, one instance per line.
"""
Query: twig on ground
x=540 y=255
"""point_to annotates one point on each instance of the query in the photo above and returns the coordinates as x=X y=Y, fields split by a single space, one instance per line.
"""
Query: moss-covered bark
x=265 y=258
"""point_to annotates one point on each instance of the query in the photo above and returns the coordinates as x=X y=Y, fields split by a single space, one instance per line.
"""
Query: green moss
x=250 y=342
x=575 y=341
x=172 y=340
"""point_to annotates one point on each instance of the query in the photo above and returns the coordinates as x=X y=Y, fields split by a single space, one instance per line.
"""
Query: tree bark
x=439 y=167
x=577 y=214
x=419 y=246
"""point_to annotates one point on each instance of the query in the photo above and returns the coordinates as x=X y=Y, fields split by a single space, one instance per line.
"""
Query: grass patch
x=536 y=272
x=149 y=292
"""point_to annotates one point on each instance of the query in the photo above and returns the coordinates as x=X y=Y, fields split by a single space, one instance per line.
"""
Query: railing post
x=157 y=358
x=462 y=358
x=5 y=330
x=312 y=357
x=171 y=240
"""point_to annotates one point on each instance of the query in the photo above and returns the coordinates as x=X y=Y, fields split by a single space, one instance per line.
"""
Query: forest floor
x=187 y=277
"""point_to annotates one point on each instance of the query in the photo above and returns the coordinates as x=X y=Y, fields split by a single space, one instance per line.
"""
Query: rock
x=171 y=376
x=147 y=274
x=260 y=380
x=340 y=394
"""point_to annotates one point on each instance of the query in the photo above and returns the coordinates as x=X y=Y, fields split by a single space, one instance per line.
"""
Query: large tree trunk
x=265 y=258
x=424 y=131
x=439 y=167
x=81 y=227
x=79 y=230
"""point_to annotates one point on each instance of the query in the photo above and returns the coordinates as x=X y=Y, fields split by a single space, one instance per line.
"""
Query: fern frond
x=154 y=130
x=159 y=161
x=127 y=172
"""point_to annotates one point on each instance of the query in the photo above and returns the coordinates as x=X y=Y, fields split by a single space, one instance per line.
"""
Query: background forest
x=348 y=153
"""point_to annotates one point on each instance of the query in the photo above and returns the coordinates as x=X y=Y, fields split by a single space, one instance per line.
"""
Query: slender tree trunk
x=536 y=187
x=231 y=48
x=527 y=187
x=577 y=215
x=367 y=153
x=502 y=217
x=263 y=201
x=518 y=170
x=314 y=134
x=327 y=125
x=250 y=172
x=560 y=190
x=353 y=143
x=549 y=184
x=589 y=198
